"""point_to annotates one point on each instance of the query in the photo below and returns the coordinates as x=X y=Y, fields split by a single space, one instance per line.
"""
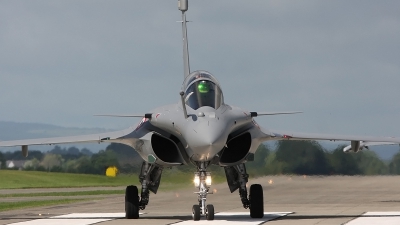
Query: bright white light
x=196 y=180
x=208 y=180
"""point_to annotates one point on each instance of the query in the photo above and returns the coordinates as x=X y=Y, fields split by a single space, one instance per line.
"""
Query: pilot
x=206 y=92
x=203 y=87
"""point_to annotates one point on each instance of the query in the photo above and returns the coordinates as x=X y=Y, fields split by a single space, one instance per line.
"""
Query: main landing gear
x=149 y=177
x=202 y=180
x=237 y=178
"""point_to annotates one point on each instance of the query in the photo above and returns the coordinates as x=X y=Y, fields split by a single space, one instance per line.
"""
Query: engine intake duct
x=236 y=149
x=165 y=149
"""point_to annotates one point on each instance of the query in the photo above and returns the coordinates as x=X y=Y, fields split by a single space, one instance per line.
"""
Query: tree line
x=310 y=158
x=74 y=160
x=288 y=157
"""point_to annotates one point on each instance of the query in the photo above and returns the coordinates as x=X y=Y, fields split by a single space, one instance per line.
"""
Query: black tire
x=256 y=199
x=196 y=212
x=131 y=202
x=210 y=212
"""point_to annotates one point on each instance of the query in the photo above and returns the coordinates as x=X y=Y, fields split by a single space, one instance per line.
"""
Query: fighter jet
x=199 y=129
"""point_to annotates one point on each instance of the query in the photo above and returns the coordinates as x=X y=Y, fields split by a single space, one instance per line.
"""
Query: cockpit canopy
x=202 y=89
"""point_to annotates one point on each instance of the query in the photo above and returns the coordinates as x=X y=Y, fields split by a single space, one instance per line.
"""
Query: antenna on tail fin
x=183 y=6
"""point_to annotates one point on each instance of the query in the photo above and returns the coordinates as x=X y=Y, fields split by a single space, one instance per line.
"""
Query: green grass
x=34 y=179
x=74 y=193
x=28 y=204
x=171 y=179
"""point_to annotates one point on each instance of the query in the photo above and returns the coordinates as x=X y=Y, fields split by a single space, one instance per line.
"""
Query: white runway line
x=75 y=219
x=381 y=218
x=239 y=218
x=93 y=215
x=61 y=222
x=231 y=218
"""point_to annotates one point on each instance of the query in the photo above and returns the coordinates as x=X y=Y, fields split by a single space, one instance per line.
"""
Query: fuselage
x=210 y=124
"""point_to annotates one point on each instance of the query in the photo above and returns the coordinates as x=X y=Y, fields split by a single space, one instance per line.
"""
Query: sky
x=61 y=62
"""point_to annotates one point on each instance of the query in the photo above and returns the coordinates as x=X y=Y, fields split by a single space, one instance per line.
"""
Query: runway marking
x=239 y=218
x=381 y=218
x=92 y=216
x=75 y=218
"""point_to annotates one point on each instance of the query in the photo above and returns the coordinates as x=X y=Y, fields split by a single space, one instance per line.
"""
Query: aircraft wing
x=103 y=137
x=366 y=144
x=288 y=135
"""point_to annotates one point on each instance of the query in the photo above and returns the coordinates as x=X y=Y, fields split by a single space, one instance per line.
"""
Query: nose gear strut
x=202 y=181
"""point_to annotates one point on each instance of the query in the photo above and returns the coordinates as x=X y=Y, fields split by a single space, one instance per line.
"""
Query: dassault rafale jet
x=199 y=129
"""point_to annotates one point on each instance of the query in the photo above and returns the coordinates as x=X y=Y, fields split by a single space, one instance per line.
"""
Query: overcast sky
x=337 y=61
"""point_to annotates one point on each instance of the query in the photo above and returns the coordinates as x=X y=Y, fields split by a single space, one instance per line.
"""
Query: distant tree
x=394 y=165
x=370 y=164
x=273 y=166
x=104 y=159
x=41 y=168
x=51 y=160
x=86 y=151
x=73 y=151
x=302 y=157
x=128 y=159
x=84 y=165
x=17 y=155
x=68 y=157
x=31 y=164
x=35 y=155
x=343 y=163
x=128 y=168
x=2 y=161
x=124 y=153
x=257 y=167
x=56 y=169
x=58 y=150
x=71 y=166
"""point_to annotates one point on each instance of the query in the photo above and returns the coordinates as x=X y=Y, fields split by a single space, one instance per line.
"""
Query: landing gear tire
x=256 y=199
x=131 y=202
x=210 y=212
x=196 y=212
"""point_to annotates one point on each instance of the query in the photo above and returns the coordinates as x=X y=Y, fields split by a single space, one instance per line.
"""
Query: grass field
x=28 y=204
x=63 y=194
x=11 y=179
x=34 y=179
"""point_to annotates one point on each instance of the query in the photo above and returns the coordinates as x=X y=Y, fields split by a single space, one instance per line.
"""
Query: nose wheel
x=210 y=212
x=196 y=212
x=202 y=181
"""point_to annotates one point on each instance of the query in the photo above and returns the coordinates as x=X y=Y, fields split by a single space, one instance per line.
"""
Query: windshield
x=202 y=89
x=203 y=93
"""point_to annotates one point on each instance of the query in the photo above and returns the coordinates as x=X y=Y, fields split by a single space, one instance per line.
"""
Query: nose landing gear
x=202 y=180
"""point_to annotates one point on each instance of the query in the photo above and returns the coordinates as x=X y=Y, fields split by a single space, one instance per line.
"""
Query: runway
x=287 y=200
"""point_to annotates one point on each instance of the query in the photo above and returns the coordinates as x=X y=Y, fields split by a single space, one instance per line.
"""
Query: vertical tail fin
x=183 y=6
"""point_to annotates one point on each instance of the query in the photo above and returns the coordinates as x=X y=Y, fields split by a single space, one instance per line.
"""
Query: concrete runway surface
x=287 y=200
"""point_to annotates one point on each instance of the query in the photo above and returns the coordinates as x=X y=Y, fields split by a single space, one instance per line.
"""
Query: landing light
x=196 y=179
x=208 y=179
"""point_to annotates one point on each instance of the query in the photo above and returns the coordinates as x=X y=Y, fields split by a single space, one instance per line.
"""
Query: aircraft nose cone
x=206 y=140
x=210 y=140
